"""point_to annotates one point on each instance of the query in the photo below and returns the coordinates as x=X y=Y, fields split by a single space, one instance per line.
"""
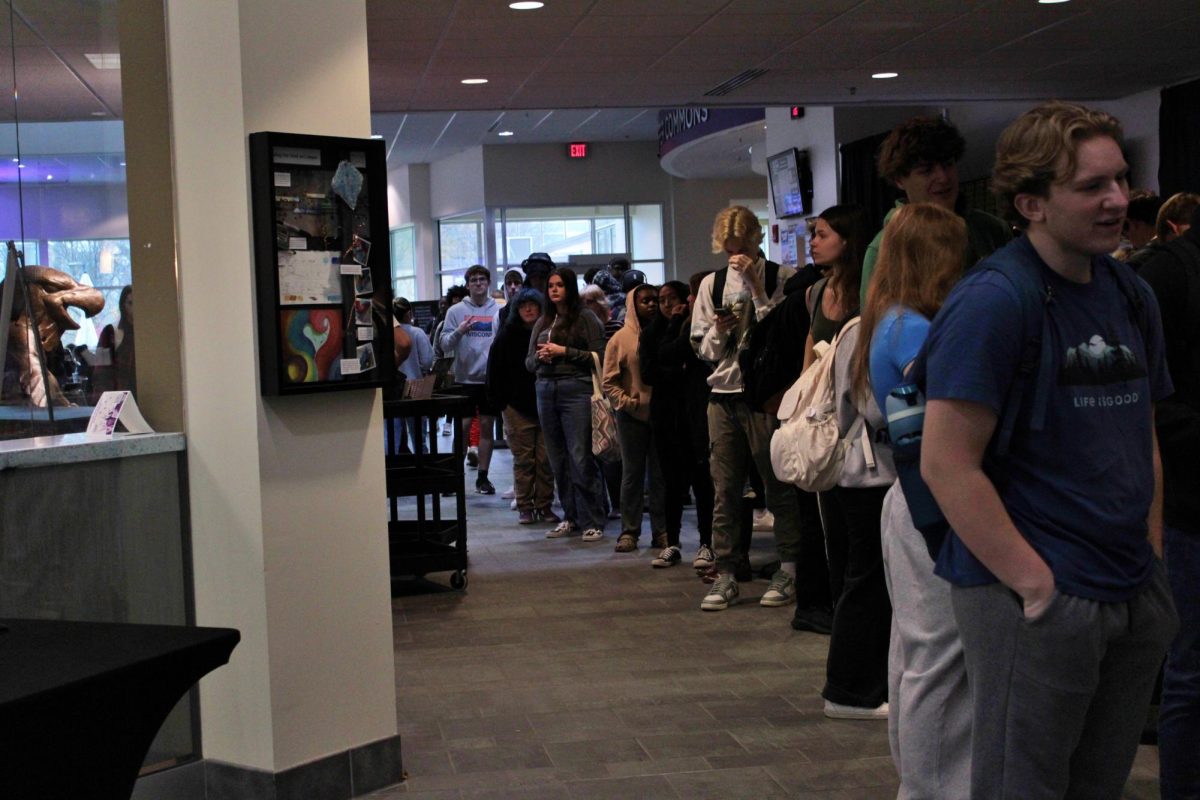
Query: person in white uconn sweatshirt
x=468 y=333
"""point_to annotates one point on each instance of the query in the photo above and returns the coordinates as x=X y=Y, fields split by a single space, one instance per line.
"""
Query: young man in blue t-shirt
x=1060 y=598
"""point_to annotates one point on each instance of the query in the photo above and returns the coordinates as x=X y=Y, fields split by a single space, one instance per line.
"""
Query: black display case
x=322 y=263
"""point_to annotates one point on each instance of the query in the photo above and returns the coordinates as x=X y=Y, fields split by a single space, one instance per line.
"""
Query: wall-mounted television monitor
x=791 y=183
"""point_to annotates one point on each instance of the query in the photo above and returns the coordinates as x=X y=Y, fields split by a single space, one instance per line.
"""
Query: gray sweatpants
x=929 y=703
x=1060 y=700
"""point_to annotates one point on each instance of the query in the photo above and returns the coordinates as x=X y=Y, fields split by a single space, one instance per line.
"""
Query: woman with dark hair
x=565 y=347
x=510 y=387
x=119 y=372
x=838 y=242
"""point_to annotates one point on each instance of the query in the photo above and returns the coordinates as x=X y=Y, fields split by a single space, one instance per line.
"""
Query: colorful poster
x=312 y=345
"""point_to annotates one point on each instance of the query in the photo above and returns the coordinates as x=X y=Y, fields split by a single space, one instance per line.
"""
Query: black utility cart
x=423 y=539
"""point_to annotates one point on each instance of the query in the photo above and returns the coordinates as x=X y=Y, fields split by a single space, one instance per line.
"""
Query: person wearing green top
x=921 y=157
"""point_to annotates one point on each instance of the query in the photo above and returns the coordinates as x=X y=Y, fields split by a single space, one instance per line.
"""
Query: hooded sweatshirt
x=622 y=371
x=470 y=349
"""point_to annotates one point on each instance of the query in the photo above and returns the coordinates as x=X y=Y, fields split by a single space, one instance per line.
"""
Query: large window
x=460 y=244
x=100 y=263
x=404 y=262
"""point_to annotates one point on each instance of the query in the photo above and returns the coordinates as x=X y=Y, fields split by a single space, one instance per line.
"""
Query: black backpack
x=774 y=354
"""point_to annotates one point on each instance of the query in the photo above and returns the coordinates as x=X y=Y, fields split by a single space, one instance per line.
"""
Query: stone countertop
x=73 y=448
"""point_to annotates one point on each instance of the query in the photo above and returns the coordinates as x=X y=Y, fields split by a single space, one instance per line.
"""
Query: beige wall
x=287 y=494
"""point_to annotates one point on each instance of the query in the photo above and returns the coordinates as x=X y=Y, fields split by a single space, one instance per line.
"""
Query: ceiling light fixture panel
x=525 y=5
x=885 y=75
x=474 y=81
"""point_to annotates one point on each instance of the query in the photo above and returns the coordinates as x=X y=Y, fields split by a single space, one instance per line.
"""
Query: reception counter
x=94 y=529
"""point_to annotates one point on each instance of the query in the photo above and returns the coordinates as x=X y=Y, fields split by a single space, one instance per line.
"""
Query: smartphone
x=722 y=312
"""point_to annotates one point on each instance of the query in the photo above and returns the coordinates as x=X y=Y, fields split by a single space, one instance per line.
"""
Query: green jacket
x=985 y=234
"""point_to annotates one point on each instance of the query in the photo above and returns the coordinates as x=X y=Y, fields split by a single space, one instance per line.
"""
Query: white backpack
x=807 y=450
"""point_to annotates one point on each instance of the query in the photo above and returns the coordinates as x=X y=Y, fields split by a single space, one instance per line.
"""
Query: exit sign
x=577 y=149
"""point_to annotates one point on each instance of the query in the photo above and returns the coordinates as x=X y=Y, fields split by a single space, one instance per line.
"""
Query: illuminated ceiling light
x=505 y=133
x=376 y=135
x=474 y=81
x=885 y=75
x=99 y=113
x=525 y=5
x=104 y=60
x=1052 y=2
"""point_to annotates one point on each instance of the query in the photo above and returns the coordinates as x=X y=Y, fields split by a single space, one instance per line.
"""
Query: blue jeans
x=1179 y=713
x=564 y=409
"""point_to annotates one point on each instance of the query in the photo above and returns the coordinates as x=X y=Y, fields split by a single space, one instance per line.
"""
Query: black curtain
x=861 y=184
x=1179 y=139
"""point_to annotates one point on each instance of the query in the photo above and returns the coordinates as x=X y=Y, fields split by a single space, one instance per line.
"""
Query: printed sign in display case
x=322 y=263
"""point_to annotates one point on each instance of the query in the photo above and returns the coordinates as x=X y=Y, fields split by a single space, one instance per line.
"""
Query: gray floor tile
x=568 y=671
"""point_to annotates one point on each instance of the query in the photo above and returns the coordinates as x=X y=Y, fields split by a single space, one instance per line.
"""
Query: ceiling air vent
x=736 y=82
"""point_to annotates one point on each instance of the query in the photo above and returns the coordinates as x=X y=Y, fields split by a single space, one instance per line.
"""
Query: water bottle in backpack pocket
x=905 y=424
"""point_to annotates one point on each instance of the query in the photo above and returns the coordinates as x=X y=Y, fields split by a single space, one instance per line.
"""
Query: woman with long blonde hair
x=929 y=728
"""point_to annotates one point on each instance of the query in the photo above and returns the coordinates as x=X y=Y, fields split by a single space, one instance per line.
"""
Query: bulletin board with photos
x=322 y=264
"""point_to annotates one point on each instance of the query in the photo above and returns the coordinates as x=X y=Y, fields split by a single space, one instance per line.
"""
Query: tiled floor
x=568 y=671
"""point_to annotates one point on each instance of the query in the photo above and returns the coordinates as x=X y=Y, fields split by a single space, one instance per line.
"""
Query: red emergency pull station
x=577 y=149
x=797 y=112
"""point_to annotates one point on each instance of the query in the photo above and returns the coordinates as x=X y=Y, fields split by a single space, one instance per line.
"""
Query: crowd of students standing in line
x=1017 y=657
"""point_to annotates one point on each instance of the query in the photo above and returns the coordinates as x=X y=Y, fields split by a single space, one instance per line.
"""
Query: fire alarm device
x=797 y=112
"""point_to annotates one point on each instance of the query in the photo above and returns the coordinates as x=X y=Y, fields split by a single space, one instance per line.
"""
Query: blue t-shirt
x=1080 y=490
x=897 y=340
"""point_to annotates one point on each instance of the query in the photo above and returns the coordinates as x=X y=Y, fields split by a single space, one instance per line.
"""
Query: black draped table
x=80 y=702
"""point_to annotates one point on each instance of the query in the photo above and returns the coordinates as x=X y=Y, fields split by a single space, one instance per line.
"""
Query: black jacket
x=508 y=382
x=1174 y=275
x=680 y=379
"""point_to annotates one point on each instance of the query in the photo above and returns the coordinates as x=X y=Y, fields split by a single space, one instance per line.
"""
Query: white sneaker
x=764 y=520
x=704 y=557
x=839 y=711
x=513 y=505
x=564 y=528
x=592 y=535
x=780 y=591
x=723 y=592
x=509 y=494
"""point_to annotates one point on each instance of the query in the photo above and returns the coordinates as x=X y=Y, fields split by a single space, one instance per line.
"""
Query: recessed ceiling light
x=99 y=113
x=1052 y=2
x=505 y=133
x=376 y=135
x=104 y=60
x=525 y=5
x=474 y=81
x=883 y=75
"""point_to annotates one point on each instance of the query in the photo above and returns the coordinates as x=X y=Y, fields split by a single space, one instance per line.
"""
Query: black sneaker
x=816 y=619
x=484 y=486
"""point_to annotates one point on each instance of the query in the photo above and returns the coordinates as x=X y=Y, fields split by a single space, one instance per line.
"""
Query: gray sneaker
x=723 y=592
x=780 y=591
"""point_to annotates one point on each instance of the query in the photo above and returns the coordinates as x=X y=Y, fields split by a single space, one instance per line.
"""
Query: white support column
x=287 y=494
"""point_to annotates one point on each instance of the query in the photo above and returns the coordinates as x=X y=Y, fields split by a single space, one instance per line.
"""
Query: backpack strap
x=718 y=286
x=814 y=298
x=771 y=278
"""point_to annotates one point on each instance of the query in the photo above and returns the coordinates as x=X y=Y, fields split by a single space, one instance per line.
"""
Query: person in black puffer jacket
x=510 y=388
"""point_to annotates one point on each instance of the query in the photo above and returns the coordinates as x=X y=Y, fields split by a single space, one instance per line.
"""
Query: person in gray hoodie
x=468 y=333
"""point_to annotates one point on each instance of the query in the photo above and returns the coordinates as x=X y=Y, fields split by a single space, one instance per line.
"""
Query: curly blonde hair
x=1029 y=149
x=736 y=222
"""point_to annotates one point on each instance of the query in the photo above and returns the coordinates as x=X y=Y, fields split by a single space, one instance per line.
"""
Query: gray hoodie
x=470 y=349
